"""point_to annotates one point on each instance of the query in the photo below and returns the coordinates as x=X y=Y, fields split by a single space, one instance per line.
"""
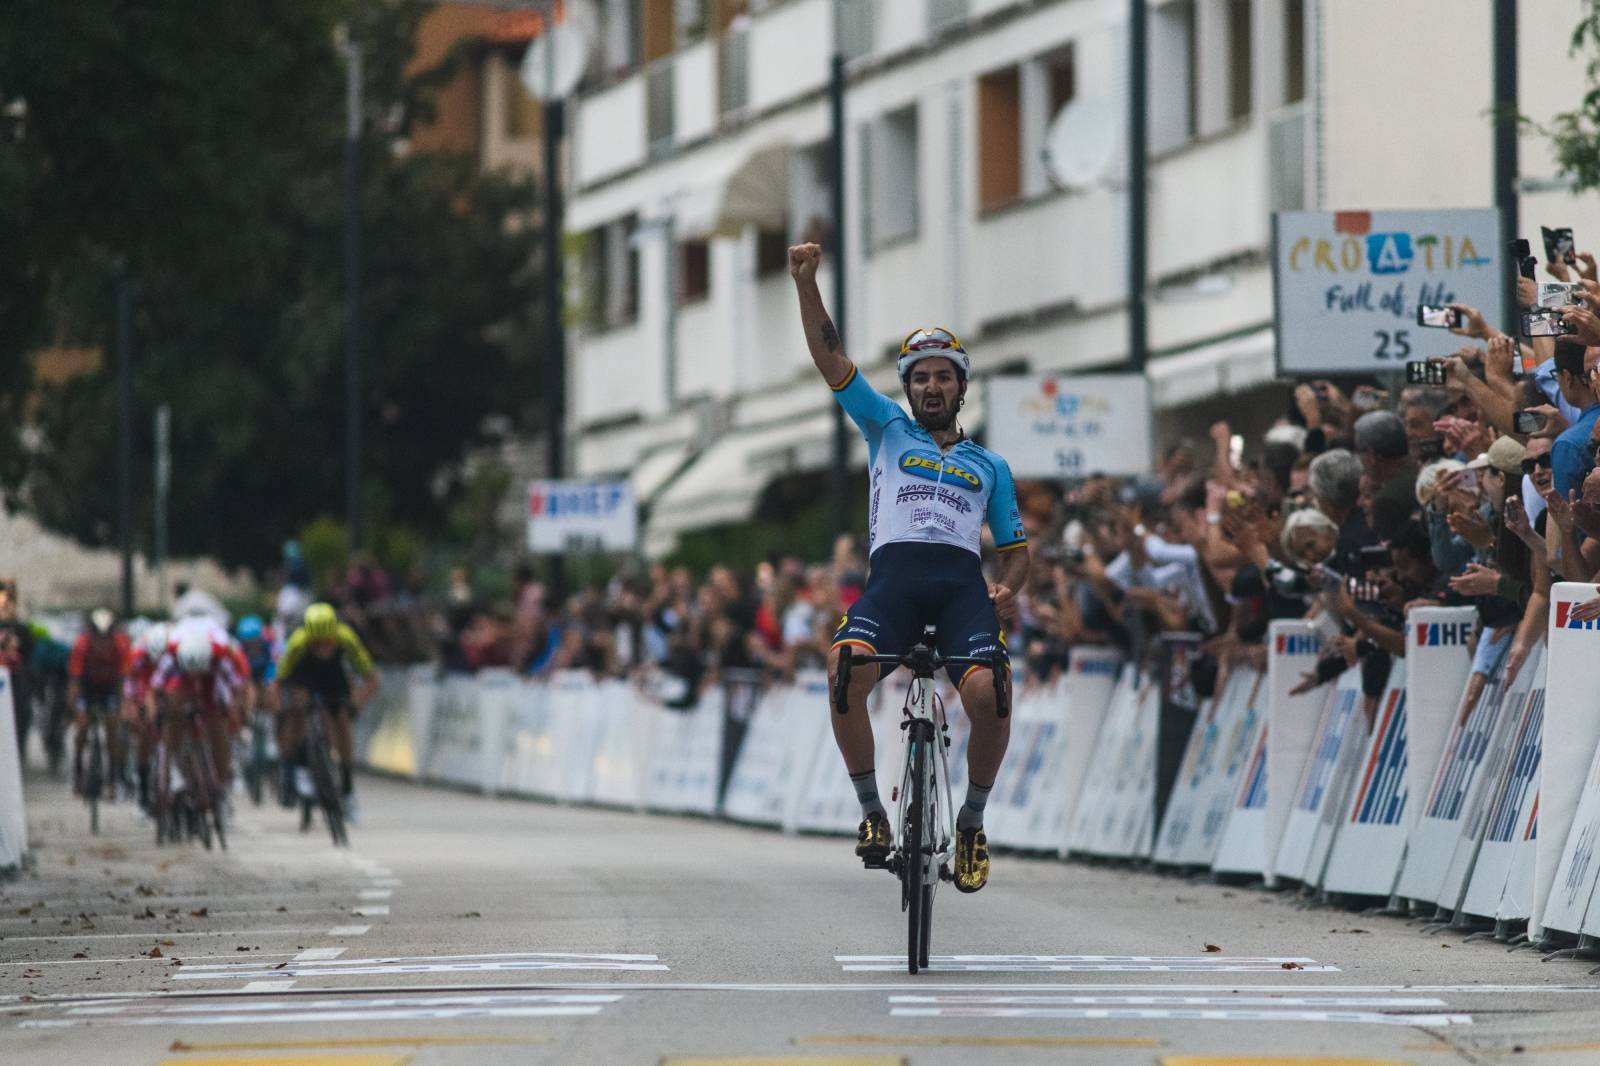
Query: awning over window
x=1221 y=367
x=749 y=188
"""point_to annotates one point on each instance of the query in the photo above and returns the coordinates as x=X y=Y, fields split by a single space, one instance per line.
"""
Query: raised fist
x=803 y=261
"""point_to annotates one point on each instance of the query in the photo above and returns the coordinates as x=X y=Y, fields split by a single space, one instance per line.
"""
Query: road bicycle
x=325 y=791
x=256 y=755
x=97 y=770
x=188 y=792
x=925 y=823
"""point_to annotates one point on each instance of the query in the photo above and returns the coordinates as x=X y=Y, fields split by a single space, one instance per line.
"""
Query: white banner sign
x=1071 y=426
x=563 y=515
x=1347 y=284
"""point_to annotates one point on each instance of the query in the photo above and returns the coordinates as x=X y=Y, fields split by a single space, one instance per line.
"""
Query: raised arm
x=827 y=351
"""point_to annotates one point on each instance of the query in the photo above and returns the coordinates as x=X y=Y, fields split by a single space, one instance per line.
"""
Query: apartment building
x=702 y=153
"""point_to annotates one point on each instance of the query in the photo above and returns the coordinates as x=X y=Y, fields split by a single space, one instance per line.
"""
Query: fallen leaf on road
x=469 y=914
x=177 y=962
x=1292 y=966
x=280 y=966
x=241 y=947
x=167 y=943
x=80 y=954
x=154 y=953
x=283 y=910
x=146 y=890
x=24 y=999
x=1212 y=947
x=201 y=913
x=148 y=913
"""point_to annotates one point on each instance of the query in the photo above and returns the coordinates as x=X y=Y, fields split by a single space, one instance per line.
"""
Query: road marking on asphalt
x=210 y=914
x=261 y=1011
x=532 y=960
x=787 y=1060
x=141 y=959
x=267 y=986
x=1200 y=1014
x=1172 y=1001
x=375 y=893
x=1520 y=1049
x=1245 y=1060
x=484 y=1039
x=298 y=1060
x=1087 y=964
x=985 y=1041
x=154 y=933
x=369 y=911
x=387 y=882
x=319 y=954
x=349 y=930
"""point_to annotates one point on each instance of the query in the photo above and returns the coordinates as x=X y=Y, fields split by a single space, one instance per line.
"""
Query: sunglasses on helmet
x=930 y=339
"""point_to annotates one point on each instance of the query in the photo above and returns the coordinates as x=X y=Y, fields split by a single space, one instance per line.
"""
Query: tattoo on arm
x=830 y=336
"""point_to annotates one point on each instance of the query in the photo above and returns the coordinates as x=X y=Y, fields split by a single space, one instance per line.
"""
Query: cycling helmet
x=101 y=619
x=250 y=627
x=932 y=341
x=194 y=652
x=154 y=640
x=321 y=622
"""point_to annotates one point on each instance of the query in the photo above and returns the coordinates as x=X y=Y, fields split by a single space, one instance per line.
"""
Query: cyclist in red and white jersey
x=199 y=670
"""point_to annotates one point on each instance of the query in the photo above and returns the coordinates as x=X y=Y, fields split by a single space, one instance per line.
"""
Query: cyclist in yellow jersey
x=317 y=661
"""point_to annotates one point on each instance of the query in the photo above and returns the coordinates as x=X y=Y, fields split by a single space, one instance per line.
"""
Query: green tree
x=197 y=146
x=1575 y=134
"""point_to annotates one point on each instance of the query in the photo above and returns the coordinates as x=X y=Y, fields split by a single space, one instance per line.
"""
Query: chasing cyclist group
x=146 y=690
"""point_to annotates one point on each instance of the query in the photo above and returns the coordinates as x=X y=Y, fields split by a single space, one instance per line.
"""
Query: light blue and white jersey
x=921 y=496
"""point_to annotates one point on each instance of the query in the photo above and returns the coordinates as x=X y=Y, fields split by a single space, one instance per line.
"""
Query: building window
x=891 y=174
x=524 y=116
x=1241 y=67
x=657 y=30
x=811 y=194
x=733 y=67
x=999 y=138
x=694 y=270
x=691 y=20
x=610 y=275
x=772 y=253
x=659 y=108
x=945 y=14
x=855 y=28
x=1294 y=51
x=1061 y=77
x=1172 y=75
x=620 y=35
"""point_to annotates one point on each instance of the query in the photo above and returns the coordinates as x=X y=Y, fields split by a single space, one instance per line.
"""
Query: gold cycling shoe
x=972 y=860
x=875 y=840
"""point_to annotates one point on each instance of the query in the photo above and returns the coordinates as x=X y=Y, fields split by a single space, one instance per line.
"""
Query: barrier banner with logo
x=1096 y=814
x=495 y=690
x=1335 y=733
x=1433 y=840
x=388 y=741
x=1181 y=841
x=1236 y=747
x=1291 y=728
x=686 y=758
x=455 y=741
x=532 y=763
x=1341 y=789
x=1370 y=841
x=1029 y=779
x=1091 y=681
x=1509 y=817
x=1569 y=797
x=1486 y=783
x=1438 y=659
x=626 y=740
x=1244 y=840
x=1516 y=901
x=13 y=821
x=788 y=728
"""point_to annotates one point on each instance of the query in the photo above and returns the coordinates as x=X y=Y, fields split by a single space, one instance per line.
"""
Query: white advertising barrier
x=1330 y=820
x=532 y=762
x=1094 y=795
x=397 y=736
x=1433 y=840
x=1121 y=820
x=1314 y=783
x=1487 y=782
x=577 y=727
x=1091 y=681
x=787 y=729
x=1569 y=774
x=686 y=757
x=1030 y=769
x=13 y=819
x=1235 y=745
x=1243 y=849
x=1516 y=900
x=1292 y=726
x=1180 y=822
x=1509 y=814
x=495 y=690
x=455 y=739
x=1370 y=840
x=625 y=745
x=1438 y=660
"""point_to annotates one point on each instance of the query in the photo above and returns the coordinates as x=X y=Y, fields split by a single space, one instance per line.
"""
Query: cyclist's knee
x=863 y=675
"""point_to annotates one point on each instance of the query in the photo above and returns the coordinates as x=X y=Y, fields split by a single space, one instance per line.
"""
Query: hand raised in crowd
x=1346 y=647
x=1560 y=509
x=1586 y=508
x=1583 y=320
x=1305 y=400
x=1470 y=322
x=1587 y=269
x=1517 y=522
x=1554 y=423
x=1456 y=373
x=1470 y=527
x=804 y=260
x=1527 y=292
x=1588 y=610
x=1500 y=360
x=1338 y=403
x=1463 y=435
x=1557 y=268
x=1515 y=658
x=1478 y=580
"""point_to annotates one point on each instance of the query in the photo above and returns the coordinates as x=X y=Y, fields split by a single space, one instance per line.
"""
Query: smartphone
x=1558 y=245
x=1434 y=316
x=1559 y=294
x=1366 y=398
x=1522 y=253
x=1528 y=422
x=1546 y=323
x=1425 y=372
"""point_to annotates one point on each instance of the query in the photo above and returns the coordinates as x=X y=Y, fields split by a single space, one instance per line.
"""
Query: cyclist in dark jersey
x=933 y=489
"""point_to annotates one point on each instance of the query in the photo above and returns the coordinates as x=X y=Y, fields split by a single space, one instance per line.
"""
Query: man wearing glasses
x=933 y=489
x=1570 y=456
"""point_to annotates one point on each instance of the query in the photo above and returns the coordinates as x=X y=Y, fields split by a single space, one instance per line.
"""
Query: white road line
x=375 y=893
x=267 y=986
x=238 y=957
x=387 y=882
x=298 y=1010
x=210 y=914
x=354 y=968
x=349 y=930
x=304 y=1017
x=1088 y=967
x=1079 y=958
x=370 y=911
x=1170 y=1001
x=564 y=956
x=154 y=934
x=1182 y=1014
x=319 y=954
x=394 y=998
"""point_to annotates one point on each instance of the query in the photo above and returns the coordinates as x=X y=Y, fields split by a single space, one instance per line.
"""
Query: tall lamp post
x=1138 y=179
x=352 y=289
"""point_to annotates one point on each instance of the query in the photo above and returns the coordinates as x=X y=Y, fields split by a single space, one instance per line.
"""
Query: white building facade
x=687 y=370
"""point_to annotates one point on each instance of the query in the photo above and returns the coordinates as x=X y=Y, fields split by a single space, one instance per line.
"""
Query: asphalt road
x=464 y=930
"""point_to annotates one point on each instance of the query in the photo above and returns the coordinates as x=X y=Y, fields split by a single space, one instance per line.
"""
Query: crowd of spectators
x=1354 y=506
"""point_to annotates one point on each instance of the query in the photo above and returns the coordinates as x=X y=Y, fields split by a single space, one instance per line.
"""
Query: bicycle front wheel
x=912 y=851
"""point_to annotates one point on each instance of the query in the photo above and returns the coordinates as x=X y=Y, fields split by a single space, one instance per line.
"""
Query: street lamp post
x=352 y=292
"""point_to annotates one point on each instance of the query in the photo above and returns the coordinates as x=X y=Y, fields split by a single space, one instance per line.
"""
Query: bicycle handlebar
x=920 y=658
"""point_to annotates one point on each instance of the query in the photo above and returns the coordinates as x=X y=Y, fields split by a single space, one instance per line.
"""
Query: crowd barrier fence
x=1430 y=795
x=13 y=819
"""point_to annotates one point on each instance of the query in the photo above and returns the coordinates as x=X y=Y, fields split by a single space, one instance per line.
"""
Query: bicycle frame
x=923 y=705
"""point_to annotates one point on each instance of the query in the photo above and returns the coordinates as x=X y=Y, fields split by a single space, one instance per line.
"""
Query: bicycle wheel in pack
x=94 y=774
x=327 y=788
x=912 y=847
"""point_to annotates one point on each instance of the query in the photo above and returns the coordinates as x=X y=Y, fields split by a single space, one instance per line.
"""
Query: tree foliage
x=197 y=146
x=1575 y=134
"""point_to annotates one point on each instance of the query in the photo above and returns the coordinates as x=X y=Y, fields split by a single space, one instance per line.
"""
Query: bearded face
x=935 y=391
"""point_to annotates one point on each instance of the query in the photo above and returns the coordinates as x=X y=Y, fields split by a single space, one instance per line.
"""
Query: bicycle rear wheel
x=94 y=775
x=912 y=851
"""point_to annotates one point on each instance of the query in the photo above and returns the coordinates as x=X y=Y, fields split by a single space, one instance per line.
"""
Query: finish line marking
x=296 y=1011
x=332 y=967
x=369 y=912
x=319 y=954
x=349 y=930
x=1086 y=964
x=1183 y=1014
x=1172 y=1001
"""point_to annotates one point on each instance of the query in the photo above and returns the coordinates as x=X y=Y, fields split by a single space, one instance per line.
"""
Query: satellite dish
x=1081 y=145
x=564 y=46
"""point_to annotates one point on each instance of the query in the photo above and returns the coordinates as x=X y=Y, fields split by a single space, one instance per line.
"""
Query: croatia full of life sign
x=1347 y=284
x=577 y=515
x=1059 y=425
